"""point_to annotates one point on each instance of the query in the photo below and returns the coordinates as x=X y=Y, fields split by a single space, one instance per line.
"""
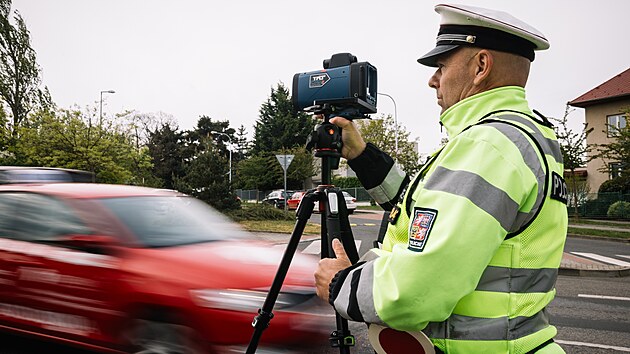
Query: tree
x=575 y=153
x=381 y=132
x=263 y=171
x=19 y=72
x=205 y=179
x=242 y=144
x=166 y=148
x=66 y=138
x=278 y=126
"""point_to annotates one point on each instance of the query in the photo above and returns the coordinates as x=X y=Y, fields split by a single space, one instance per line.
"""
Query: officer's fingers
x=340 y=252
x=341 y=122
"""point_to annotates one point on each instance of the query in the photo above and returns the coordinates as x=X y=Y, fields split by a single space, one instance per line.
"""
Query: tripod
x=334 y=224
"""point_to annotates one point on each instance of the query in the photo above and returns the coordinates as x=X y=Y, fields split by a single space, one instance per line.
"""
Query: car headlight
x=244 y=300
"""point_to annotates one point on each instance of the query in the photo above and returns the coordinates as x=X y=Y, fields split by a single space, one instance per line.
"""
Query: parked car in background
x=296 y=198
x=277 y=198
x=130 y=269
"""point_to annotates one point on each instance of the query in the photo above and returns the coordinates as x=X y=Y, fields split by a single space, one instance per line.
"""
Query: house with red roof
x=605 y=106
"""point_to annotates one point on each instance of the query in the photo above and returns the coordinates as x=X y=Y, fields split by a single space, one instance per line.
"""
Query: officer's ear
x=483 y=61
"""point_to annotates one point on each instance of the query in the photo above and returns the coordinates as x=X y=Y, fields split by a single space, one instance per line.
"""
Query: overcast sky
x=221 y=58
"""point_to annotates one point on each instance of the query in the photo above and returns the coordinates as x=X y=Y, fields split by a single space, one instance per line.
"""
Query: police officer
x=475 y=239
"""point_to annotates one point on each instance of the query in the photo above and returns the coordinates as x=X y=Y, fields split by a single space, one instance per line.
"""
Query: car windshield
x=172 y=221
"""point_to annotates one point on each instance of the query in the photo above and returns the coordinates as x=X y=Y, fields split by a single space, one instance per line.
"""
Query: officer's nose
x=434 y=81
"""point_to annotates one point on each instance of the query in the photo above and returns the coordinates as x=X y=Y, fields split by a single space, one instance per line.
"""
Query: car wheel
x=156 y=337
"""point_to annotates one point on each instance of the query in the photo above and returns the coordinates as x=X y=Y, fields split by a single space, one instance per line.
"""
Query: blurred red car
x=137 y=270
x=296 y=198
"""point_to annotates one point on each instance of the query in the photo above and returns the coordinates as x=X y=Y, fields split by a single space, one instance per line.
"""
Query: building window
x=615 y=169
x=615 y=123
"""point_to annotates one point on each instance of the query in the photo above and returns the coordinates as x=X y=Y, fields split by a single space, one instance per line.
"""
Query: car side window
x=36 y=217
x=6 y=215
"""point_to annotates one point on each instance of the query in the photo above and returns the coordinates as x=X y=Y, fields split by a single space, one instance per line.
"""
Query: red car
x=137 y=270
x=296 y=198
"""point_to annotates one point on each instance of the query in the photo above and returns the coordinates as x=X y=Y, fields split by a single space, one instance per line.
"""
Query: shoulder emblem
x=420 y=228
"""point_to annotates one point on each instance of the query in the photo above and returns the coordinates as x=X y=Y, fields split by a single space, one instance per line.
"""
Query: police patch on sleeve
x=420 y=228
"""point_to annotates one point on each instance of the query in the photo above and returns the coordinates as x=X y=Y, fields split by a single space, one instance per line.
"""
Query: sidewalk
x=570 y=265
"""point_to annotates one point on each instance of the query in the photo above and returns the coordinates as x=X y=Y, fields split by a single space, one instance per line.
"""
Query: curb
x=614 y=273
x=600 y=238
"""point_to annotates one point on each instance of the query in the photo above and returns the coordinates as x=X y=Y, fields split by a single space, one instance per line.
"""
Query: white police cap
x=462 y=25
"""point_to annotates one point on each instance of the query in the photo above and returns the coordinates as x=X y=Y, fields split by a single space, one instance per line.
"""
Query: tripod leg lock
x=338 y=339
x=262 y=320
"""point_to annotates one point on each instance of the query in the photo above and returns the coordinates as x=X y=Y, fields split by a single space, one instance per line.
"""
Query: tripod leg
x=261 y=321
x=338 y=226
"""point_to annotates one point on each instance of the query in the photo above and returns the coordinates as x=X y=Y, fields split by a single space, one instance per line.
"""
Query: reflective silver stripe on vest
x=473 y=187
x=345 y=302
x=387 y=190
x=475 y=328
x=530 y=155
x=517 y=280
x=549 y=146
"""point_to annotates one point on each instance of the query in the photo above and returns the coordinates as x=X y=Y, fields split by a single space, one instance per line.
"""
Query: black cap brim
x=430 y=58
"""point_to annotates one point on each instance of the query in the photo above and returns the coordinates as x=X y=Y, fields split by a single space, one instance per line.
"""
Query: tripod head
x=326 y=140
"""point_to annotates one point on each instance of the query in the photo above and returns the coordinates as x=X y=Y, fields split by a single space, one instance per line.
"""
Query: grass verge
x=599 y=222
x=599 y=233
x=281 y=226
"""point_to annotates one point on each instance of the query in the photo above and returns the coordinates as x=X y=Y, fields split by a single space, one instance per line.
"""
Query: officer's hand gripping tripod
x=326 y=138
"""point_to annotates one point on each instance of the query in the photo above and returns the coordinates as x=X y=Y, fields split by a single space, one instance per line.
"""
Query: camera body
x=344 y=87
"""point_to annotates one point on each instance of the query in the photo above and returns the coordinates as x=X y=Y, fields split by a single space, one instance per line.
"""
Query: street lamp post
x=100 y=114
x=230 y=150
x=395 y=125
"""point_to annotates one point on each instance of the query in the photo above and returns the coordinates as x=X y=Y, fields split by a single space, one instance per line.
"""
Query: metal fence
x=255 y=195
x=590 y=206
x=597 y=205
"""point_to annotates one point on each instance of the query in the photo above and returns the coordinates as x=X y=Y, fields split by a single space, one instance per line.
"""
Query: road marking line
x=368 y=224
x=602 y=259
x=592 y=345
x=313 y=248
x=316 y=246
x=622 y=256
x=604 y=297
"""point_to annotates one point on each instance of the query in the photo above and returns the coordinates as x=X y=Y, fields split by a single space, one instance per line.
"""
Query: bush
x=619 y=184
x=619 y=210
x=260 y=212
x=346 y=182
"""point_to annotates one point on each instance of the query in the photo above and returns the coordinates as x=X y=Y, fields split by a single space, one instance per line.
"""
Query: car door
x=10 y=257
x=68 y=291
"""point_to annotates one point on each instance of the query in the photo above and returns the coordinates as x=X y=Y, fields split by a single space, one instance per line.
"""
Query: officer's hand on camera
x=328 y=267
x=353 y=144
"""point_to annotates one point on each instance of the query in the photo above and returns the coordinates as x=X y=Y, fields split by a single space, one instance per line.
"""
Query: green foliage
x=19 y=72
x=346 y=182
x=69 y=139
x=619 y=184
x=205 y=178
x=618 y=150
x=278 y=126
x=263 y=171
x=260 y=212
x=166 y=148
x=382 y=132
x=619 y=210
